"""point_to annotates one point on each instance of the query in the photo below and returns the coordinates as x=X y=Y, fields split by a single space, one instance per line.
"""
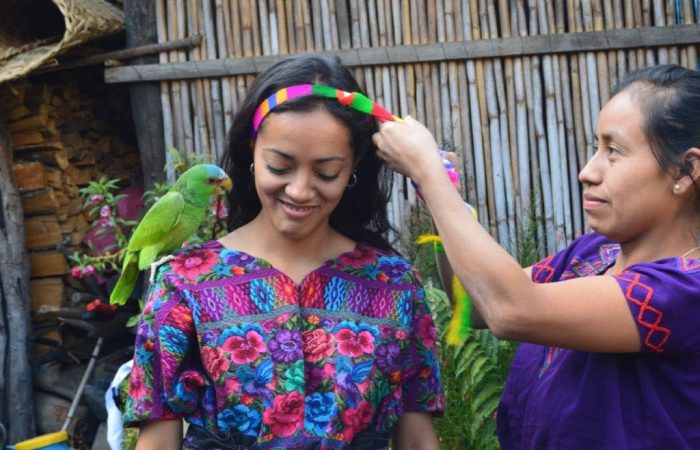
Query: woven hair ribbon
x=354 y=100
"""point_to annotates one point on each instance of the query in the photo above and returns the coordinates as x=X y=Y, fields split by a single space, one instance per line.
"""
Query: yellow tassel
x=428 y=239
x=460 y=324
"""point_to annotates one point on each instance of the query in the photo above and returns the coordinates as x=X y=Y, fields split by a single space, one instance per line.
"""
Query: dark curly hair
x=361 y=213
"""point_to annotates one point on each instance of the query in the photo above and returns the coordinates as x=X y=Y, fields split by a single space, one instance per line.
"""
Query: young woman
x=610 y=325
x=302 y=328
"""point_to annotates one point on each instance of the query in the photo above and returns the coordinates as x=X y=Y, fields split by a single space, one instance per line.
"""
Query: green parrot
x=169 y=223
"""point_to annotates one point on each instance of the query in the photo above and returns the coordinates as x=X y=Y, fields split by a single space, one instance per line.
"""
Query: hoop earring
x=353 y=180
x=252 y=168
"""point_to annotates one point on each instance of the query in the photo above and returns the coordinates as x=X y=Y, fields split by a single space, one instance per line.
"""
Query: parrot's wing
x=159 y=220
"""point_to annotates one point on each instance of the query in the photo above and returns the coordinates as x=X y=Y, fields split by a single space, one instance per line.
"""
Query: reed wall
x=522 y=124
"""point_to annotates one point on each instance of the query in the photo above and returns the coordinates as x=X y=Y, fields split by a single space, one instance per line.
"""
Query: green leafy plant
x=473 y=374
x=100 y=200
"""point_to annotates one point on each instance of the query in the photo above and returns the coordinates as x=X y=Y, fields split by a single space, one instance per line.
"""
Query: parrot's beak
x=226 y=183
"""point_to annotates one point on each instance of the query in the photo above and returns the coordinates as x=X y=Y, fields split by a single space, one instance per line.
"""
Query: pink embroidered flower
x=233 y=385
x=361 y=257
x=192 y=380
x=194 y=263
x=400 y=334
x=354 y=344
x=426 y=330
x=283 y=318
x=317 y=344
x=215 y=361
x=137 y=388
x=286 y=415
x=245 y=349
x=356 y=419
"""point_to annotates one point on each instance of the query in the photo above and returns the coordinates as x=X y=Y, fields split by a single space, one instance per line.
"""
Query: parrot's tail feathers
x=127 y=280
x=460 y=323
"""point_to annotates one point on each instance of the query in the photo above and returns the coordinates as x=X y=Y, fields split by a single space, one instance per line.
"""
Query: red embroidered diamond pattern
x=543 y=271
x=640 y=294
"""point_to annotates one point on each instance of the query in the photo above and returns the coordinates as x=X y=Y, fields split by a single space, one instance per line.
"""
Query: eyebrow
x=286 y=156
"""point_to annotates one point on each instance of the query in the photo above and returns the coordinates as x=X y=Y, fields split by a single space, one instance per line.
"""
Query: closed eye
x=327 y=178
x=275 y=170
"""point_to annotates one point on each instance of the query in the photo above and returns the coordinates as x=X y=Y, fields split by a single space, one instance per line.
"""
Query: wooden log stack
x=64 y=134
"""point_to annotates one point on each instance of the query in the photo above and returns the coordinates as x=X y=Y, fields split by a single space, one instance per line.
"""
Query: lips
x=592 y=202
x=297 y=212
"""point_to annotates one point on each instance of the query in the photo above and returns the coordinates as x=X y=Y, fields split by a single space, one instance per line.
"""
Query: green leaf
x=133 y=321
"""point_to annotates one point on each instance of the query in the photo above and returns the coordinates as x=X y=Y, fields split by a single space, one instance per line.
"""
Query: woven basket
x=84 y=20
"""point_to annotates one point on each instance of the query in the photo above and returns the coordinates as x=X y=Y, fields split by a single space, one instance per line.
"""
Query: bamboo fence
x=521 y=125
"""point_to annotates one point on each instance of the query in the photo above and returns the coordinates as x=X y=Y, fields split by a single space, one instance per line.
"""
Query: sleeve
x=165 y=381
x=421 y=385
x=663 y=297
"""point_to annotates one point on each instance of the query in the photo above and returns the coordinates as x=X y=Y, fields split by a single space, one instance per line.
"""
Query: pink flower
x=317 y=344
x=426 y=330
x=215 y=361
x=194 y=263
x=76 y=272
x=354 y=344
x=89 y=271
x=220 y=210
x=286 y=415
x=105 y=211
x=96 y=198
x=356 y=419
x=245 y=349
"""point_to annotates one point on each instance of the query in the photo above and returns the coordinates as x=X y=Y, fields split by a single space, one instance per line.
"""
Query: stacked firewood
x=65 y=133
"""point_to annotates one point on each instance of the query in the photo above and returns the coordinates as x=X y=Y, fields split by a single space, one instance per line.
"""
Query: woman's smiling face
x=627 y=194
x=303 y=161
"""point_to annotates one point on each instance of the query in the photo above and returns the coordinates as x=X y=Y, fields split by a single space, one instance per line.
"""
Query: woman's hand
x=409 y=148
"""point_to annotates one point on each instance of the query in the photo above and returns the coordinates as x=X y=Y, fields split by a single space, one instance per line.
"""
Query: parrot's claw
x=156 y=264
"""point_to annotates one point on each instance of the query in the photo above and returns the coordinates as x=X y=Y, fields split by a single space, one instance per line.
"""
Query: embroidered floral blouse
x=234 y=346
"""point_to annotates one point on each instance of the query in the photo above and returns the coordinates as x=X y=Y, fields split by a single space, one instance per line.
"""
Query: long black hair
x=361 y=213
x=669 y=98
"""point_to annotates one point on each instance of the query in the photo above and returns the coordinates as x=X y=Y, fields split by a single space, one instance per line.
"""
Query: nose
x=300 y=187
x=591 y=172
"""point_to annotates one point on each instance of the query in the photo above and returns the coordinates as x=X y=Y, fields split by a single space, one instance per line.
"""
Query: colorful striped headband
x=354 y=100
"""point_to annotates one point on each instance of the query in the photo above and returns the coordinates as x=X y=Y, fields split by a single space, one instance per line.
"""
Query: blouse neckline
x=329 y=262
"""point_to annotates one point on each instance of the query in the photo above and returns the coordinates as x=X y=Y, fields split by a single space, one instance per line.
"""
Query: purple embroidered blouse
x=234 y=346
x=563 y=399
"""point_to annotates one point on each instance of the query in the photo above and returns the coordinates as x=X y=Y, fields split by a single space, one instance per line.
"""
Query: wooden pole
x=17 y=407
x=168 y=133
x=146 y=105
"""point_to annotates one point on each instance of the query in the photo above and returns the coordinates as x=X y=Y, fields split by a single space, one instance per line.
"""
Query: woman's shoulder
x=208 y=261
x=376 y=264
x=586 y=255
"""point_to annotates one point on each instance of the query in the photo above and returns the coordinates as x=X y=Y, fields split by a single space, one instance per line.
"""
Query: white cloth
x=115 y=428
